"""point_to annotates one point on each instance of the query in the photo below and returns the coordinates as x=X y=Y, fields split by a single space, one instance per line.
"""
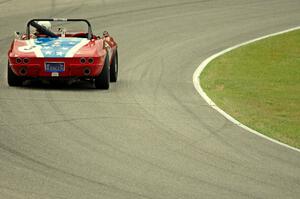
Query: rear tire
x=12 y=78
x=114 y=68
x=102 y=81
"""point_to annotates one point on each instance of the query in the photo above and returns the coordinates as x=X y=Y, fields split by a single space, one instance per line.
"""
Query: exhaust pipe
x=87 y=71
x=23 y=71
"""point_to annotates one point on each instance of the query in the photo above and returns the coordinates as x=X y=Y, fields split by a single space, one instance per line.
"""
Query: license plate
x=55 y=67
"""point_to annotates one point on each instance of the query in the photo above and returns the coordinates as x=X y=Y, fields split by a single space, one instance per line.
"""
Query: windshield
x=67 y=27
x=59 y=27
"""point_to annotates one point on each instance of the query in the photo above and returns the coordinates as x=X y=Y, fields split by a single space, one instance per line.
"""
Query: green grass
x=259 y=85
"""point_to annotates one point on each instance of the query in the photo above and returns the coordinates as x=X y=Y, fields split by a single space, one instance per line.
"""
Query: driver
x=45 y=24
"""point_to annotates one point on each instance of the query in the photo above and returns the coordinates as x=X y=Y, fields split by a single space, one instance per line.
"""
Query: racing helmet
x=45 y=24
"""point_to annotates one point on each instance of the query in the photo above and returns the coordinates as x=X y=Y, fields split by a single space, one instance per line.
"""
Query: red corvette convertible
x=62 y=55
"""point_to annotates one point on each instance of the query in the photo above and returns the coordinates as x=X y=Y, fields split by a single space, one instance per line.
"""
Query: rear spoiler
x=33 y=22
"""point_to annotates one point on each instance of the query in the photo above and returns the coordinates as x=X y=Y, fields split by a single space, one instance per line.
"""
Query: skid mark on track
x=74 y=125
x=5 y=1
x=22 y=193
x=148 y=9
x=169 y=171
x=66 y=173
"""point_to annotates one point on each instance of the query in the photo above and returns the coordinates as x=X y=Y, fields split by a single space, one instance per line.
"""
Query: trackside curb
x=196 y=81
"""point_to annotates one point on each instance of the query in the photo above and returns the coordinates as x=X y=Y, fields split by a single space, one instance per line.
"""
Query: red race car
x=62 y=55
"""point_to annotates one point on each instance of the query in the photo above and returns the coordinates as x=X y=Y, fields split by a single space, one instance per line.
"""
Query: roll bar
x=33 y=22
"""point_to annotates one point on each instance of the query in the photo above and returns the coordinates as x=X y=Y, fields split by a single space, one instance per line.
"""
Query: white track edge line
x=196 y=81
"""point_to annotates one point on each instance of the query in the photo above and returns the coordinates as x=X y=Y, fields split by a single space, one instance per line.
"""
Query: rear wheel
x=12 y=78
x=102 y=81
x=114 y=68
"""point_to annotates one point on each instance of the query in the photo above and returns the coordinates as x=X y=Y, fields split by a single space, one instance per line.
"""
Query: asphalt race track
x=151 y=136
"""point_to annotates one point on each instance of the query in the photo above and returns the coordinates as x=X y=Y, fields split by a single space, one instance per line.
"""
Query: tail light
x=91 y=60
x=82 y=60
x=25 y=60
x=18 y=60
x=22 y=60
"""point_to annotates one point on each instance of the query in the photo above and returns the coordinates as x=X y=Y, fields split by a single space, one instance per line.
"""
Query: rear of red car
x=53 y=56
x=86 y=62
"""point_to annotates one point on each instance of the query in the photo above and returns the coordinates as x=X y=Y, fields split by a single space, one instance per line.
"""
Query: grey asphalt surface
x=151 y=135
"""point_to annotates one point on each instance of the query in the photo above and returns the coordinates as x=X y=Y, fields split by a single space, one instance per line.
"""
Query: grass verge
x=259 y=85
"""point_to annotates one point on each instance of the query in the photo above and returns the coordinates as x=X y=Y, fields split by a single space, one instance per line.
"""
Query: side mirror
x=105 y=34
x=17 y=35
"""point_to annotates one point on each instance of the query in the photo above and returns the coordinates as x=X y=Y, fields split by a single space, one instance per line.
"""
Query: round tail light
x=18 y=60
x=82 y=60
x=91 y=60
x=25 y=60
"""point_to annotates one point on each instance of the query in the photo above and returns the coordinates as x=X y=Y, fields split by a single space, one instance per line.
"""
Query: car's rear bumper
x=70 y=71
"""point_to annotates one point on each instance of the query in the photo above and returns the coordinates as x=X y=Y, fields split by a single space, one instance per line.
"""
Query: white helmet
x=45 y=24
